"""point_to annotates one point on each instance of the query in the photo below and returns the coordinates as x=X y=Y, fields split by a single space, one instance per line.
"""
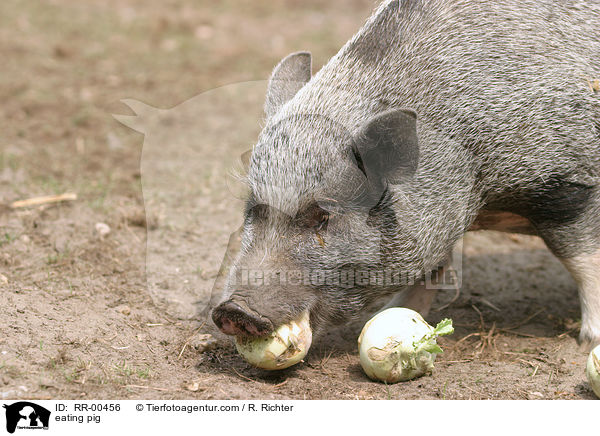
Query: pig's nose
x=235 y=318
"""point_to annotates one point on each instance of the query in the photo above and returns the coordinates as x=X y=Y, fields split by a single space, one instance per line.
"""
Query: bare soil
x=86 y=315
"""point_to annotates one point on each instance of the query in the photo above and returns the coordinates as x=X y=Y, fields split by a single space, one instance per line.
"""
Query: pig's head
x=319 y=213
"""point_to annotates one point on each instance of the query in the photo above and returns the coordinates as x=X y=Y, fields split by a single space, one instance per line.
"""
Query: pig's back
x=511 y=81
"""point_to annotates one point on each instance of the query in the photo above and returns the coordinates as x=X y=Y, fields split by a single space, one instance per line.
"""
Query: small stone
x=3 y=279
x=203 y=342
x=102 y=229
x=125 y=310
x=194 y=386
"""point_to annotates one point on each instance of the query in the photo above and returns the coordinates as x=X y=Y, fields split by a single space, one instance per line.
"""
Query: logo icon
x=26 y=415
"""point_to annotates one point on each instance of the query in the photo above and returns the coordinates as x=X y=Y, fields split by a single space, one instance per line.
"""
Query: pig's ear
x=386 y=148
x=291 y=74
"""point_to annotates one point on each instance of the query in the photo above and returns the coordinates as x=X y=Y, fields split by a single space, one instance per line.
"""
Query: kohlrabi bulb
x=592 y=370
x=283 y=348
x=398 y=345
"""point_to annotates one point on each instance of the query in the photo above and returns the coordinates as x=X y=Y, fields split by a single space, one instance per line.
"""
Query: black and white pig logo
x=26 y=415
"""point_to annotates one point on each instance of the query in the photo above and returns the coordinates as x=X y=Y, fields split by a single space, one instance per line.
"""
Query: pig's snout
x=235 y=318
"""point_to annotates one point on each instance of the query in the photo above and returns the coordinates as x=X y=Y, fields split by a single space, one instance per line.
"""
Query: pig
x=438 y=117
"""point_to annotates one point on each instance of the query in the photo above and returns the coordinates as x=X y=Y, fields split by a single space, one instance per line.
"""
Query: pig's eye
x=323 y=219
x=314 y=217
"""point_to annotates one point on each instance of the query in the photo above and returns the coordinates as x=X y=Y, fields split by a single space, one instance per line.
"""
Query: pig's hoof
x=588 y=338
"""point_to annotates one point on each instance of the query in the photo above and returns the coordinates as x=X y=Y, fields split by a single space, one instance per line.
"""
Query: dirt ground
x=91 y=315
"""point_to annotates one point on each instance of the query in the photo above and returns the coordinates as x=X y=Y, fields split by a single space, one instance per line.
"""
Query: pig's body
x=508 y=122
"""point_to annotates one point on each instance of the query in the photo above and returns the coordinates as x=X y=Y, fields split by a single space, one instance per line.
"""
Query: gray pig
x=436 y=118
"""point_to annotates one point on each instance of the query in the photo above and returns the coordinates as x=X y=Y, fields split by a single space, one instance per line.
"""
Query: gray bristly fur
x=506 y=120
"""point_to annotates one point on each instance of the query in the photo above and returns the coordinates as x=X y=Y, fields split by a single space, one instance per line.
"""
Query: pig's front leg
x=419 y=297
x=568 y=219
x=585 y=269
